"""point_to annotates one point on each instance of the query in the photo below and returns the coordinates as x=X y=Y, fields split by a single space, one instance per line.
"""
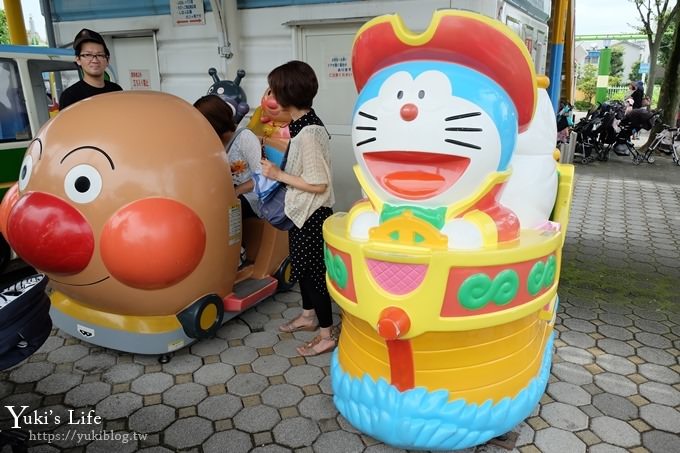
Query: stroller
x=667 y=141
x=595 y=129
x=634 y=121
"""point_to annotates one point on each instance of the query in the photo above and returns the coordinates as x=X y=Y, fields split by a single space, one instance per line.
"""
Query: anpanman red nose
x=153 y=243
x=271 y=104
x=409 y=112
x=50 y=234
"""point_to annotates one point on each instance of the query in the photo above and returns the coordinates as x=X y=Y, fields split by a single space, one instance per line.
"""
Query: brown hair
x=294 y=84
x=217 y=112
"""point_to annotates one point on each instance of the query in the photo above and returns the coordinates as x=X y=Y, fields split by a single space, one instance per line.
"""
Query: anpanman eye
x=25 y=172
x=83 y=184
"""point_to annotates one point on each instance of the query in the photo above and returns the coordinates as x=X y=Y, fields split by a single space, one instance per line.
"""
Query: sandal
x=312 y=348
x=295 y=326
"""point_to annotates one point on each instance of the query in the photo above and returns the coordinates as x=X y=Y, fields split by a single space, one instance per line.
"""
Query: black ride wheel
x=284 y=276
x=203 y=318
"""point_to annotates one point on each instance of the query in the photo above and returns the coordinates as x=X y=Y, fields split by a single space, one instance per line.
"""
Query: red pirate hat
x=461 y=37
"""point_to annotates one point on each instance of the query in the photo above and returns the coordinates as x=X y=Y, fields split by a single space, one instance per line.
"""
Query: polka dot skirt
x=306 y=249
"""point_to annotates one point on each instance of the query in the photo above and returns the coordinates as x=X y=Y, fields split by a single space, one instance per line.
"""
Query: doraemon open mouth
x=415 y=175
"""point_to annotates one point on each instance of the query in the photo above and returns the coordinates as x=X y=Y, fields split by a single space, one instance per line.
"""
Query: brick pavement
x=615 y=383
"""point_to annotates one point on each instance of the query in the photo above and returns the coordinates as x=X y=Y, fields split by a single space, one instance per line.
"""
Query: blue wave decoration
x=426 y=420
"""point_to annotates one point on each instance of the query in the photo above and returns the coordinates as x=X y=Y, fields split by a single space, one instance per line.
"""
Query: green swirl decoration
x=535 y=280
x=550 y=270
x=542 y=275
x=337 y=271
x=506 y=287
x=478 y=290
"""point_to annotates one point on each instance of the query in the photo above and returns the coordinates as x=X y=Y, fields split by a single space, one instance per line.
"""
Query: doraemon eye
x=400 y=94
x=25 y=172
x=83 y=183
x=421 y=94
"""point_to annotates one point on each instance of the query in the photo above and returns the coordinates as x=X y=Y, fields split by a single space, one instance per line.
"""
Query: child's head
x=293 y=84
x=218 y=114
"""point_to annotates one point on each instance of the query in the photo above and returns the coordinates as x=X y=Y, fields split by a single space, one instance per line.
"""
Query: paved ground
x=615 y=383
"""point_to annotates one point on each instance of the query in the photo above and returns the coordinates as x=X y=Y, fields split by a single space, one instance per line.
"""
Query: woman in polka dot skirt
x=309 y=199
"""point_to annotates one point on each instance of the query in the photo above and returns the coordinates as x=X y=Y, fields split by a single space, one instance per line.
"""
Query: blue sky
x=592 y=16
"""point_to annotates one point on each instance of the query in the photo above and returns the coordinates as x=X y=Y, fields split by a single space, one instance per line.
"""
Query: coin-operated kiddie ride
x=448 y=300
x=125 y=200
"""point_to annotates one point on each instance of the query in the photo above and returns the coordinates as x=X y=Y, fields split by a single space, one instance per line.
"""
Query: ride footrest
x=249 y=292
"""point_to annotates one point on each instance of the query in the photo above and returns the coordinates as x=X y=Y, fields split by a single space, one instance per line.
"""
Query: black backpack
x=25 y=321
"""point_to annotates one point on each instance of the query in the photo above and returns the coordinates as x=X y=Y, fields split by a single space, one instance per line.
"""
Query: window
x=14 y=125
x=49 y=78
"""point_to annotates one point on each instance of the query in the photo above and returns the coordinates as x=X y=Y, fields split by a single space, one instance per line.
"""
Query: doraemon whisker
x=464 y=129
x=462 y=115
x=366 y=115
x=366 y=128
x=372 y=139
x=465 y=144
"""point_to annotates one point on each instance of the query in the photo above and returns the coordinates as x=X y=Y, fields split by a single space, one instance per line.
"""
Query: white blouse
x=309 y=158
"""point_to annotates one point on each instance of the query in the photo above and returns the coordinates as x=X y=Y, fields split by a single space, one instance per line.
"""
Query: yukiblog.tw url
x=74 y=435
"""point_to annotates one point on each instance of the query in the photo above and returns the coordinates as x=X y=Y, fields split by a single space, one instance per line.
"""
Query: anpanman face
x=116 y=202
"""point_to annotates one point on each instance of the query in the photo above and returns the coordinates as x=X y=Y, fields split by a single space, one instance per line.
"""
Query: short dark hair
x=87 y=35
x=217 y=112
x=294 y=83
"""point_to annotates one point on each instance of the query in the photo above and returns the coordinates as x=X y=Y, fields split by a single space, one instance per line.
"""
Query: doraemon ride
x=448 y=300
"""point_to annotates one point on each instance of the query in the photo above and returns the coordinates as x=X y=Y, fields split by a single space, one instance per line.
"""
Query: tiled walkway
x=615 y=384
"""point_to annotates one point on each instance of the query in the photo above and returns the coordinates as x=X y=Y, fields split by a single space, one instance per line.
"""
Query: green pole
x=603 y=75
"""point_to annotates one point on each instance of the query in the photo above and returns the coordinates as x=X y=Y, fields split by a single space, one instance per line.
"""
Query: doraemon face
x=432 y=132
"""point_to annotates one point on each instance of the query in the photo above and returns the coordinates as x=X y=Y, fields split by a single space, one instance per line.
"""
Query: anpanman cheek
x=50 y=234
x=153 y=243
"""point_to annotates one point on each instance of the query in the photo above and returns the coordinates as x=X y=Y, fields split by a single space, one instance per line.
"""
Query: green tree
x=588 y=82
x=616 y=64
x=4 y=29
x=669 y=95
x=667 y=44
x=656 y=17
x=635 y=72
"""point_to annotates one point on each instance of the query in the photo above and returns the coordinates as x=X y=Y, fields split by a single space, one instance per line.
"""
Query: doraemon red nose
x=408 y=112
x=50 y=234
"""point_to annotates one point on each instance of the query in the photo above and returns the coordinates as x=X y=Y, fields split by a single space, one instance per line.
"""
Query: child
x=243 y=149
x=243 y=152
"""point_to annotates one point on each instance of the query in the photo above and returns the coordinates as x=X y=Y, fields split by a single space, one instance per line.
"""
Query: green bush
x=583 y=106
x=618 y=96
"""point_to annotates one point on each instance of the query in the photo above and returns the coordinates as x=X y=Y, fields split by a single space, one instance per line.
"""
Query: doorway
x=136 y=63
x=328 y=49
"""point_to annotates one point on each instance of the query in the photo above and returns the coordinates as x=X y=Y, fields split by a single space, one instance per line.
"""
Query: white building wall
x=264 y=38
x=186 y=52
